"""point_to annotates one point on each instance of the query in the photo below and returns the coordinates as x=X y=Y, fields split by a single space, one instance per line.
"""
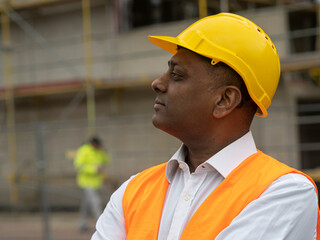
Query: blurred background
x=70 y=69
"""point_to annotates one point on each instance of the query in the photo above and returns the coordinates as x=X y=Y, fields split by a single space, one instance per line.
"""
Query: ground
x=29 y=226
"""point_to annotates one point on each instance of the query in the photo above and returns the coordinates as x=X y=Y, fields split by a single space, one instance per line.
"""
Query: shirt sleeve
x=110 y=225
x=286 y=210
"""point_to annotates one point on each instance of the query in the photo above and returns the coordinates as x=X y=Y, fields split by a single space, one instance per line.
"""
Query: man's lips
x=158 y=104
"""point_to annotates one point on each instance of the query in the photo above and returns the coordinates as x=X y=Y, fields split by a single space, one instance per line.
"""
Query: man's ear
x=228 y=98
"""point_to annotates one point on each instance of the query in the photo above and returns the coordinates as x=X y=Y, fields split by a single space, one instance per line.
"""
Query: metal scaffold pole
x=91 y=111
x=224 y=5
x=202 y=8
x=318 y=15
x=43 y=187
x=10 y=106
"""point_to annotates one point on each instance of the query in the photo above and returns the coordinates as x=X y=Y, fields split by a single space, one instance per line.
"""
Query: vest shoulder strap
x=143 y=202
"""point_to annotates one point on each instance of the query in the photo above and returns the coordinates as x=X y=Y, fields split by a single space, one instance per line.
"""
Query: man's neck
x=201 y=151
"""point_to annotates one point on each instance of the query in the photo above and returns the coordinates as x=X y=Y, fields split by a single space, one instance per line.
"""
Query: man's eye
x=176 y=76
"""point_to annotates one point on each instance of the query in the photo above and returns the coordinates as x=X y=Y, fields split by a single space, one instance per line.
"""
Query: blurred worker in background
x=224 y=70
x=89 y=164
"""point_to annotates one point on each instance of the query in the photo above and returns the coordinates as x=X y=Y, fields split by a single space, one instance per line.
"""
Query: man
x=223 y=71
x=89 y=165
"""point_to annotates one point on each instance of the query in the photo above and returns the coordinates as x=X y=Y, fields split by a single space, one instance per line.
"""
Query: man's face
x=185 y=96
x=96 y=145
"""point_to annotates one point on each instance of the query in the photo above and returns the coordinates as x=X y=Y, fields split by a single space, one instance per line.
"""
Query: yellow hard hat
x=237 y=42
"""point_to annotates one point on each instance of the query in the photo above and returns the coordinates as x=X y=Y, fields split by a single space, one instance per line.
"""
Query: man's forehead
x=183 y=55
x=186 y=57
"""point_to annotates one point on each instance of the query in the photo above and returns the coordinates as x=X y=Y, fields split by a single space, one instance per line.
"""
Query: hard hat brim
x=166 y=43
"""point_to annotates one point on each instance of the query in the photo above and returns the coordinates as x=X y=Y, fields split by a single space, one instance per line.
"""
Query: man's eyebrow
x=172 y=63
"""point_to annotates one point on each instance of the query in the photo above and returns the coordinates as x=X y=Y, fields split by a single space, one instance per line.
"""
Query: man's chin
x=159 y=122
x=156 y=121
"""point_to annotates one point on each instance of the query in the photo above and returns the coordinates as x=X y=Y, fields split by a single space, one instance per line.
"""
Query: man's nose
x=159 y=84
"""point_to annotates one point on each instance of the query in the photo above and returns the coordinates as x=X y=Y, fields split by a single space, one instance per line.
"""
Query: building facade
x=70 y=70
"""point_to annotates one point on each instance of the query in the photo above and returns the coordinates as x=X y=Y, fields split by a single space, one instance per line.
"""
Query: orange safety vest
x=145 y=194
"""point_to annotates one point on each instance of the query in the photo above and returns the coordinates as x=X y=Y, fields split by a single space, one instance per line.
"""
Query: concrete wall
x=123 y=116
x=127 y=55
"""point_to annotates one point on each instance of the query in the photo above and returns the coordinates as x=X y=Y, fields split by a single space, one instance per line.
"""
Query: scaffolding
x=82 y=85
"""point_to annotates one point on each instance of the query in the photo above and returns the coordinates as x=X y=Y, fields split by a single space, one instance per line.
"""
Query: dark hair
x=95 y=140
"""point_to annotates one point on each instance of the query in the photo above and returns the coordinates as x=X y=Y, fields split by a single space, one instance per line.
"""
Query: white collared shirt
x=286 y=210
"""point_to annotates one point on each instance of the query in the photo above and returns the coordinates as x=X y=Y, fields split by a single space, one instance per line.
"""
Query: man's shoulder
x=294 y=176
x=295 y=180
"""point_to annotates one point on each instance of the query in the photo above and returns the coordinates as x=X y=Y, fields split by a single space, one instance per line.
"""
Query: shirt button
x=181 y=166
x=186 y=197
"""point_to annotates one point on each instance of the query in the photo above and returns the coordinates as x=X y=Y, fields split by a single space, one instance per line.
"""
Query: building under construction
x=71 y=69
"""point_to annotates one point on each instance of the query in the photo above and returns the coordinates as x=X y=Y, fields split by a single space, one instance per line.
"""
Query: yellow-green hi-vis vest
x=145 y=194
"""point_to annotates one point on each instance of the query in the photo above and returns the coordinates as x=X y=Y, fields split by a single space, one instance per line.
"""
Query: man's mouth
x=158 y=104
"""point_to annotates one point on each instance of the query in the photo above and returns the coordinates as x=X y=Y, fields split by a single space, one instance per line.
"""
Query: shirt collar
x=174 y=162
x=225 y=161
